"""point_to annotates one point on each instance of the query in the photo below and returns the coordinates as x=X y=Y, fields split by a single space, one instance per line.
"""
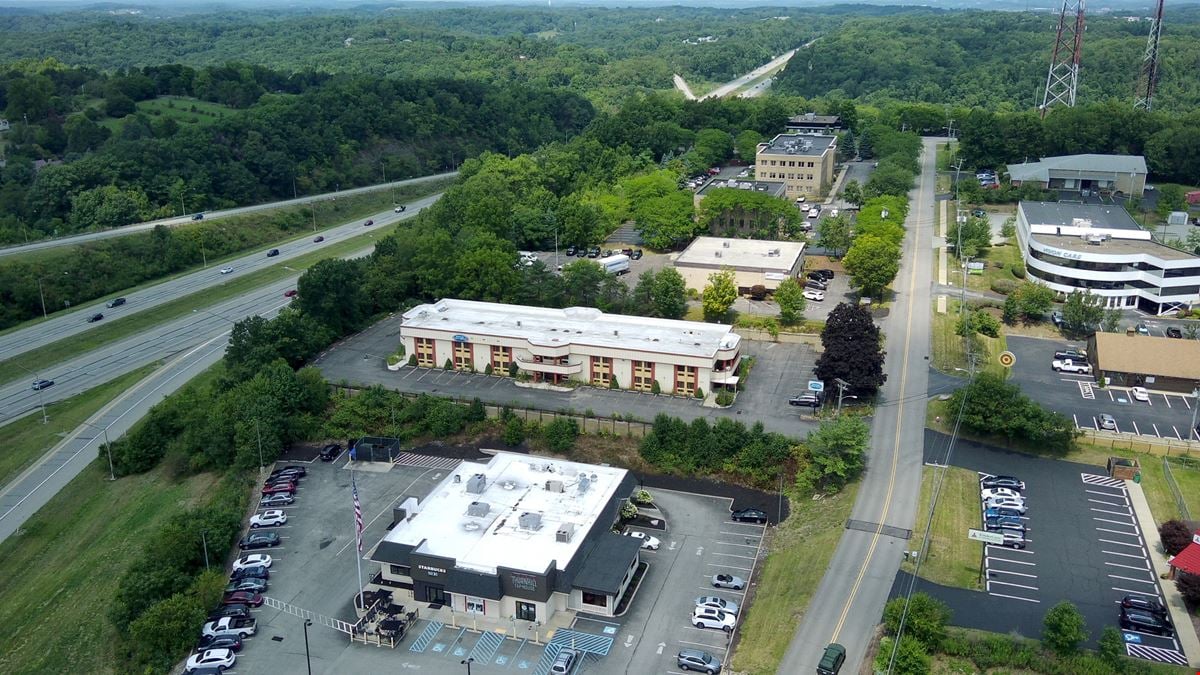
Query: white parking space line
x=734 y=555
x=1135 y=428
x=1112 y=513
x=1117 y=427
x=753 y=526
x=732 y=567
x=1015 y=574
x=1127 y=534
x=1007 y=560
x=1076 y=421
x=726 y=543
x=1126 y=590
x=713 y=589
x=742 y=534
x=1124 y=555
x=1129 y=567
x=1106 y=493
x=1012 y=597
x=1005 y=583
x=1176 y=432
x=1121 y=543
x=701 y=644
x=1156 y=430
x=1101 y=501
x=1185 y=402
x=1114 y=522
x=1110 y=396
x=1168 y=400
x=1136 y=581
x=1006 y=550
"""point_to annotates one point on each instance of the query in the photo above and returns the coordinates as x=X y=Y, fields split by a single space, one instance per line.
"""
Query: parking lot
x=1165 y=415
x=1085 y=545
x=314 y=570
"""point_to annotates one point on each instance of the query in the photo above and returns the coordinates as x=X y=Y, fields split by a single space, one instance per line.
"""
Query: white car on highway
x=648 y=542
x=252 y=560
x=814 y=294
x=226 y=270
x=1139 y=394
x=269 y=519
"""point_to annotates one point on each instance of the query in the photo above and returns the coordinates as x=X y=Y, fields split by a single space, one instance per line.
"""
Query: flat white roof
x=513 y=484
x=756 y=255
x=585 y=326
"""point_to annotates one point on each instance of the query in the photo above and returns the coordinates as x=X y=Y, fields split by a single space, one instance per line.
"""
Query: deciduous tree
x=790 y=298
x=1063 y=629
x=1082 y=312
x=872 y=263
x=851 y=350
x=719 y=294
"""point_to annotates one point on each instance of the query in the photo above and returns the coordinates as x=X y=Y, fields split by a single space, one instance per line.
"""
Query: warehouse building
x=1158 y=363
x=1100 y=249
x=755 y=262
x=519 y=537
x=1089 y=175
x=577 y=343
x=804 y=162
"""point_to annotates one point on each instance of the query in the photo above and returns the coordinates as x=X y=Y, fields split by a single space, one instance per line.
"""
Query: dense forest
x=114 y=161
x=994 y=60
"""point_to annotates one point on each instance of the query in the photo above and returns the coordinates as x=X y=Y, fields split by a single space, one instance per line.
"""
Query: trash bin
x=1137 y=477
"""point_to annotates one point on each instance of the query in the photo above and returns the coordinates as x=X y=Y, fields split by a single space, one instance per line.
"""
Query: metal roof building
x=1086 y=174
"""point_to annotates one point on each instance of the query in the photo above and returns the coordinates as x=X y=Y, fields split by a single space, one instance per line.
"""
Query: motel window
x=462 y=356
x=425 y=357
x=526 y=611
x=601 y=370
x=475 y=605
x=643 y=375
x=685 y=380
x=501 y=357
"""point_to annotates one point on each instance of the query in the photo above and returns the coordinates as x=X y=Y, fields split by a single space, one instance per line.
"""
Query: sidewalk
x=1188 y=642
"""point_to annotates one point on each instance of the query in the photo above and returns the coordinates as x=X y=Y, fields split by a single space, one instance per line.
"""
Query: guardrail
x=1148 y=445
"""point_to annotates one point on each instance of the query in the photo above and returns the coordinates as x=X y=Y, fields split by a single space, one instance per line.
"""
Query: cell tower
x=1064 y=61
x=1143 y=98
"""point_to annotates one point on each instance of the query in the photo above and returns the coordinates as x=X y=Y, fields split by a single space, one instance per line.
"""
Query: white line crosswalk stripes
x=1093 y=479
x=427 y=461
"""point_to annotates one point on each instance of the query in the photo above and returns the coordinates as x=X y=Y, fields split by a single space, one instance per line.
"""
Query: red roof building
x=1188 y=559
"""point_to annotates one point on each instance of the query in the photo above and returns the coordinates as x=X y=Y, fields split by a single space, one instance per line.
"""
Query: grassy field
x=999 y=261
x=1187 y=476
x=56 y=352
x=58 y=574
x=799 y=552
x=950 y=558
x=27 y=439
x=949 y=349
x=185 y=111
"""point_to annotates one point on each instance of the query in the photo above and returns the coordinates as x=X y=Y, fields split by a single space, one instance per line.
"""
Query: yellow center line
x=862 y=570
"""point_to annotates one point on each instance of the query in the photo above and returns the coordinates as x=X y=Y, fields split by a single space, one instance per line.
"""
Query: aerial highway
x=66 y=324
x=210 y=215
x=849 y=600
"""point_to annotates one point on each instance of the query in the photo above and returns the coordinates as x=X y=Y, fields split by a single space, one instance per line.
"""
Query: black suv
x=1072 y=354
x=1144 y=604
x=570 y=251
x=235 y=611
x=593 y=252
x=827 y=274
x=115 y=302
x=272 y=253
x=252 y=572
x=95 y=317
x=1133 y=619
x=330 y=452
x=637 y=254
x=1174 y=332
x=749 y=516
x=258 y=540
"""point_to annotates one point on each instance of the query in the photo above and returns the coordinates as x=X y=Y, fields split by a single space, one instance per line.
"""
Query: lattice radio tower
x=1143 y=98
x=1064 y=61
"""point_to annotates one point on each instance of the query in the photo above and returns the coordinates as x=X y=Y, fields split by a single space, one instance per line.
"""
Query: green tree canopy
x=790 y=298
x=719 y=294
x=872 y=263
x=852 y=350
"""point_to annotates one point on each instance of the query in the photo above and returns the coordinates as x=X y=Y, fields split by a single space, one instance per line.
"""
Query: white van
x=813 y=213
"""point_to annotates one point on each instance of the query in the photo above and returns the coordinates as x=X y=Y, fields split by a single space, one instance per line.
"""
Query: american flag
x=358 y=521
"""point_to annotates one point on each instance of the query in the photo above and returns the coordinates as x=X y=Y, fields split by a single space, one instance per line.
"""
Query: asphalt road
x=208 y=215
x=734 y=85
x=849 y=601
x=70 y=323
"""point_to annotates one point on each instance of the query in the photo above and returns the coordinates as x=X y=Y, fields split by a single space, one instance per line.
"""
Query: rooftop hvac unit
x=555 y=486
x=584 y=484
x=565 y=532
x=477 y=484
x=530 y=521
x=478 y=509
x=1081 y=222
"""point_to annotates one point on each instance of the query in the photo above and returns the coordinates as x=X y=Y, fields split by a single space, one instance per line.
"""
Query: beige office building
x=755 y=262
x=803 y=162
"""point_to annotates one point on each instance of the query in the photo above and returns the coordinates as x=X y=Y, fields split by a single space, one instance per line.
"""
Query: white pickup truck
x=1069 y=366
x=230 y=626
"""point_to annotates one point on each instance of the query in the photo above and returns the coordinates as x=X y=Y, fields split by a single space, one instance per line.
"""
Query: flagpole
x=358 y=541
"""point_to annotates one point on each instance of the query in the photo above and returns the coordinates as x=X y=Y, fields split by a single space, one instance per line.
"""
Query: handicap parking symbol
x=501 y=660
x=523 y=664
x=439 y=647
x=1132 y=638
x=459 y=651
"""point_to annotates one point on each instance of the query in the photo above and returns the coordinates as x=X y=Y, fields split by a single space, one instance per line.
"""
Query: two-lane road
x=71 y=323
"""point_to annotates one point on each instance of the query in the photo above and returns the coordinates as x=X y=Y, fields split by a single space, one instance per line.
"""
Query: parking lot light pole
x=1195 y=409
x=307 y=657
x=107 y=448
x=41 y=396
x=258 y=432
x=467 y=662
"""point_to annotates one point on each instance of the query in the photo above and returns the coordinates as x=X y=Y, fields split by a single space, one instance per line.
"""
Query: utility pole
x=841 y=385
x=258 y=432
x=313 y=207
x=1195 y=409
x=204 y=542
x=42 y=295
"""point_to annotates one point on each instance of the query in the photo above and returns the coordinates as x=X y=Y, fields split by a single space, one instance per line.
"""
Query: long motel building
x=577 y=343
x=520 y=537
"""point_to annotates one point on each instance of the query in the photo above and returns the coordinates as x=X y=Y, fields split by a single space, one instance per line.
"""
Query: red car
x=279 y=487
x=290 y=294
x=243 y=598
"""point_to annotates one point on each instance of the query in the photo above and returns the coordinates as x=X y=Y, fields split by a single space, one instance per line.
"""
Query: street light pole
x=1195 y=409
x=467 y=662
x=107 y=447
x=204 y=541
x=41 y=396
x=307 y=657
x=42 y=295
x=258 y=432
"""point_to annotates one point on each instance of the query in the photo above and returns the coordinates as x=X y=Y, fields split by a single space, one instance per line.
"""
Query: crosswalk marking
x=427 y=461
x=1156 y=654
x=1093 y=479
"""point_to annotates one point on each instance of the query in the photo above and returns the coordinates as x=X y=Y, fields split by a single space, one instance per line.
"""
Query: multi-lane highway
x=211 y=215
x=70 y=323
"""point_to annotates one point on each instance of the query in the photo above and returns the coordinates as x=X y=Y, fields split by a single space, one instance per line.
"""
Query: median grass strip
x=799 y=552
x=41 y=359
x=950 y=558
x=27 y=439
x=58 y=574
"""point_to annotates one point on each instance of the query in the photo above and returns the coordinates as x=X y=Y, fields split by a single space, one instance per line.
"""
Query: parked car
x=814 y=295
x=331 y=452
x=717 y=603
x=39 y=385
x=95 y=317
x=290 y=293
x=254 y=571
x=277 y=499
x=251 y=598
x=1069 y=366
x=1174 y=332
x=1071 y=354
x=813 y=212
x=636 y=255
x=628 y=252
x=226 y=270
x=115 y=302
x=813 y=276
x=292 y=468
x=816 y=285
x=252 y=560
x=1001 y=512
x=238 y=611
x=807 y=400
x=282 y=478
x=834 y=655
x=369 y=223
x=801 y=199
x=1139 y=394
x=1106 y=421
x=318 y=239
x=268 y=519
x=211 y=658
x=570 y=251
x=247 y=584
x=593 y=252
x=988 y=493
x=1002 y=481
x=979 y=213
x=258 y=540
x=707 y=617
x=1056 y=318
x=565 y=661
x=1142 y=329
x=649 y=543
x=1003 y=522
x=272 y=488
x=1144 y=603
x=1012 y=538
x=749 y=516
x=230 y=642
x=699 y=660
x=272 y=253
x=1133 y=619
x=728 y=581
x=1010 y=503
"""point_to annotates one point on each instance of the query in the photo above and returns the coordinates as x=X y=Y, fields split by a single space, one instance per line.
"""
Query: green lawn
x=800 y=551
x=949 y=348
x=27 y=439
x=1187 y=477
x=185 y=111
x=999 y=262
x=58 y=574
x=56 y=352
x=950 y=558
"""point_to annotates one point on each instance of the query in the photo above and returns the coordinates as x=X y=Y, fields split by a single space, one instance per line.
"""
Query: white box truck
x=615 y=264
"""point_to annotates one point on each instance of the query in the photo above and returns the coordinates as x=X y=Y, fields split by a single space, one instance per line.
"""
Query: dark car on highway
x=115 y=302
x=272 y=253
x=318 y=240
x=330 y=452
x=1136 y=619
x=258 y=540
x=290 y=293
x=749 y=516
x=198 y=216
x=369 y=223
x=95 y=317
